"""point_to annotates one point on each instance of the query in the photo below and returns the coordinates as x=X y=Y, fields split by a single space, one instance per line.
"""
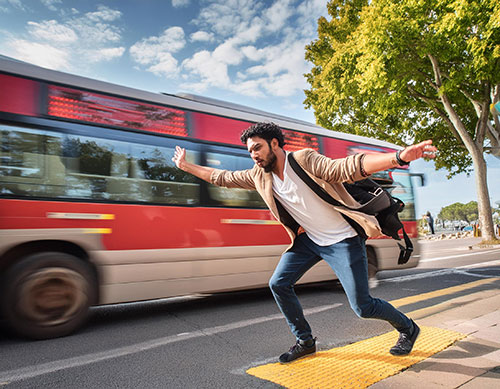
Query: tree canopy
x=458 y=211
x=410 y=70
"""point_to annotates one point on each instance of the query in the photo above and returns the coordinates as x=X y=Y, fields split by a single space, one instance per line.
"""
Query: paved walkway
x=473 y=362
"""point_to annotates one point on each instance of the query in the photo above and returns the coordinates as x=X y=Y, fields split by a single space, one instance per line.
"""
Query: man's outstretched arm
x=373 y=163
x=199 y=171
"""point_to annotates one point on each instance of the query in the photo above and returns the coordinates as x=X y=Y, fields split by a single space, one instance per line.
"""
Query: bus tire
x=48 y=295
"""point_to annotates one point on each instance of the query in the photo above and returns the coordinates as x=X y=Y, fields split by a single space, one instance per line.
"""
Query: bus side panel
x=149 y=227
x=19 y=95
x=217 y=129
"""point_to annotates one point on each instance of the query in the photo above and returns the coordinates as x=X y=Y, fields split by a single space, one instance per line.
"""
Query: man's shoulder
x=304 y=153
x=303 y=156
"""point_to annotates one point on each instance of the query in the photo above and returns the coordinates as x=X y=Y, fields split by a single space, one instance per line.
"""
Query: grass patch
x=490 y=242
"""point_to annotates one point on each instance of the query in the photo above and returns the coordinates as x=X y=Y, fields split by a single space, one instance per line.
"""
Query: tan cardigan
x=328 y=173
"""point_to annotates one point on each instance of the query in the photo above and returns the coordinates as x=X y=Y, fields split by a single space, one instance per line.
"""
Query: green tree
x=459 y=211
x=409 y=70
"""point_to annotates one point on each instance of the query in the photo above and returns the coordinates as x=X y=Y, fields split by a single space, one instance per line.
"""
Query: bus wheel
x=372 y=267
x=48 y=295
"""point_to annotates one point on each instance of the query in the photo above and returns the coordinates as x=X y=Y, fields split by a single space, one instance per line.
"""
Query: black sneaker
x=406 y=341
x=299 y=350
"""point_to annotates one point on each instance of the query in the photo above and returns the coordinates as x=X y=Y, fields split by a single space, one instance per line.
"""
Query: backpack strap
x=405 y=252
x=323 y=194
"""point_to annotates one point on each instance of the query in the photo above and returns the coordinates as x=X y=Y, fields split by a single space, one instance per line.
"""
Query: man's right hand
x=179 y=157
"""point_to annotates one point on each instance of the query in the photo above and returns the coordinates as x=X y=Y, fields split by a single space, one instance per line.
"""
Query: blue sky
x=245 y=51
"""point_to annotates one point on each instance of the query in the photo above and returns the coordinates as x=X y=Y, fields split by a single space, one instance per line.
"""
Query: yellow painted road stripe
x=441 y=292
x=364 y=363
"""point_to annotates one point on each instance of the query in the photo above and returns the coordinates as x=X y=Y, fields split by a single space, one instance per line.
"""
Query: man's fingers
x=178 y=154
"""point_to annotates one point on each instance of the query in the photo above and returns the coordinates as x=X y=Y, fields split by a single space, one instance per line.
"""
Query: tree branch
x=473 y=147
x=440 y=113
x=435 y=68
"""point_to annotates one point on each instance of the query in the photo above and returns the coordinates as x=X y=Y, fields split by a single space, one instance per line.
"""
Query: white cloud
x=156 y=51
x=263 y=45
x=104 y=54
x=103 y=13
x=180 y=3
x=276 y=16
x=93 y=27
x=201 y=36
x=72 y=42
x=308 y=13
x=52 y=31
x=249 y=88
x=225 y=19
x=51 y=4
x=167 y=66
x=212 y=71
x=7 y=5
x=281 y=68
x=252 y=53
x=228 y=53
x=39 y=54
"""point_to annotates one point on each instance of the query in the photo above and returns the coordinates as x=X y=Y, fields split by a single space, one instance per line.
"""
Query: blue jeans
x=348 y=260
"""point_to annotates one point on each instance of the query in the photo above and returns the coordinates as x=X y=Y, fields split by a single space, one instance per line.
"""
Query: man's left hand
x=423 y=149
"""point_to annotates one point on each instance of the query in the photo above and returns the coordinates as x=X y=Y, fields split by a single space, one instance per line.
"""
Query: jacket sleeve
x=346 y=169
x=233 y=179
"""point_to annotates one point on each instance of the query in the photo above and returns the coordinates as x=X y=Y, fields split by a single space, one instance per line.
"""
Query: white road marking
x=54 y=366
x=435 y=273
x=457 y=256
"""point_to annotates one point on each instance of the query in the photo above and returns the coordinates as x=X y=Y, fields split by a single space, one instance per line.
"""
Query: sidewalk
x=473 y=362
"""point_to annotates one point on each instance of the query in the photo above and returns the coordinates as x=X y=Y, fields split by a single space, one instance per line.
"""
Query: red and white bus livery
x=94 y=211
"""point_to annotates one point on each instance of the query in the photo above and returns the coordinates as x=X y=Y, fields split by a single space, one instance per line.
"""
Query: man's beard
x=268 y=168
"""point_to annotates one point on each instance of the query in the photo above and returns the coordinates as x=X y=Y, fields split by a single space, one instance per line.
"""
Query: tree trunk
x=483 y=197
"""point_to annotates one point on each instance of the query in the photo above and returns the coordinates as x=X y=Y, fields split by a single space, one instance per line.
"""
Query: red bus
x=93 y=210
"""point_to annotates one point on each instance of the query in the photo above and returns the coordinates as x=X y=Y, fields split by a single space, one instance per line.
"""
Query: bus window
x=48 y=164
x=30 y=163
x=232 y=197
x=402 y=189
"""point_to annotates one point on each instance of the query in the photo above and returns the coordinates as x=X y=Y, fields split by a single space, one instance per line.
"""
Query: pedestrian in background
x=317 y=230
x=430 y=222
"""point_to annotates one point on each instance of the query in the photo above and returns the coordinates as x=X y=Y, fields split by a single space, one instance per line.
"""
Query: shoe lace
x=299 y=347
x=296 y=346
x=403 y=338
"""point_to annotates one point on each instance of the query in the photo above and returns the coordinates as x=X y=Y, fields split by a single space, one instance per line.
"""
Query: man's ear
x=274 y=144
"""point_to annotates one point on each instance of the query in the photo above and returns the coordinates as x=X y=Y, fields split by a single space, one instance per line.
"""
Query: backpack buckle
x=377 y=191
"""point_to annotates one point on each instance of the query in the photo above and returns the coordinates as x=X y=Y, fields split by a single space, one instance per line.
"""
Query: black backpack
x=374 y=200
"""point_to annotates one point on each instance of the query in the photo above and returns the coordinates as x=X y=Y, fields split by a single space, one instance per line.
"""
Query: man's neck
x=279 y=168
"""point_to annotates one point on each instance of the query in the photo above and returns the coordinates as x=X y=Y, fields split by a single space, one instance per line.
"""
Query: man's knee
x=277 y=284
x=366 y=310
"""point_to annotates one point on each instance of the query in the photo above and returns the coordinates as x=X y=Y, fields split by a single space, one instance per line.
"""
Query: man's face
x=261 y=153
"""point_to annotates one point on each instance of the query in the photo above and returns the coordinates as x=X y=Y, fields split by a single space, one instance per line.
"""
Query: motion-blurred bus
x=94 y=211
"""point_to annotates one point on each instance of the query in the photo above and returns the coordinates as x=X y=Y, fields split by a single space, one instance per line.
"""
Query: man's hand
x=179 y=157
x=421 y=150
x=381 y=161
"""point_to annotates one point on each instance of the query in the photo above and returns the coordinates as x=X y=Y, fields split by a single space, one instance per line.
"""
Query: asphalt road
x=210 y=341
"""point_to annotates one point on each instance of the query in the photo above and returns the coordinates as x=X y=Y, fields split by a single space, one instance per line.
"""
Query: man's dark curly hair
x=267 y=131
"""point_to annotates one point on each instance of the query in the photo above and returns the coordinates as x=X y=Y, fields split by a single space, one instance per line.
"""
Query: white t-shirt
x=323 y=224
